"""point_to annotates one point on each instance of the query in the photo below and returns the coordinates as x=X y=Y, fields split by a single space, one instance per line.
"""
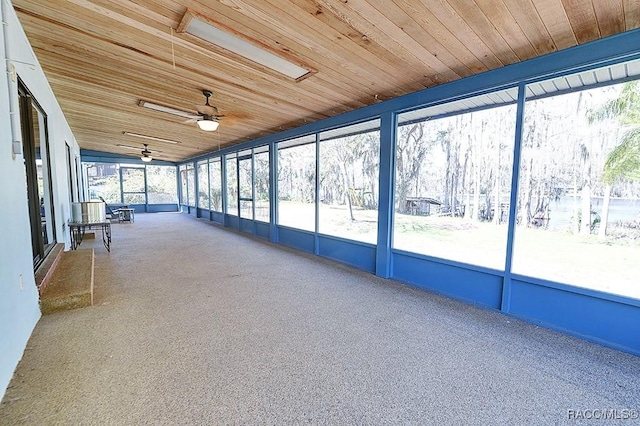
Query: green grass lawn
x=611 y=265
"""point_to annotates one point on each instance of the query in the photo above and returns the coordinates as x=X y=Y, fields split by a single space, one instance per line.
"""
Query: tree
x=410 y=153
x=623 y=162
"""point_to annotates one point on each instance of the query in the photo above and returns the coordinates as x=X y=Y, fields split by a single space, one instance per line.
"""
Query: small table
x=77 y=231
x=126 y=215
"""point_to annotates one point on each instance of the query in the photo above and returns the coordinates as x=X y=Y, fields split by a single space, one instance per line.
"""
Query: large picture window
x=453 y=180
x=579 y=190
x=296 y=183
x=349 y=169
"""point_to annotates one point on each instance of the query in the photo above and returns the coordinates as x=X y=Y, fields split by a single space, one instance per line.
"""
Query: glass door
x=37 y=165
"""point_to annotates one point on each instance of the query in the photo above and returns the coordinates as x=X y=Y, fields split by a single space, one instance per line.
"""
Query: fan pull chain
x=173 y=52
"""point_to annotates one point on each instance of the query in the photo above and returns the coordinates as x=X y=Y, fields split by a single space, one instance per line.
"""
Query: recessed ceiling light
x=153 y=138
x=220 y=35
x=164 y=108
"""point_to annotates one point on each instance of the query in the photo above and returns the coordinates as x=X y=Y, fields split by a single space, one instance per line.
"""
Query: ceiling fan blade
x=207 y=109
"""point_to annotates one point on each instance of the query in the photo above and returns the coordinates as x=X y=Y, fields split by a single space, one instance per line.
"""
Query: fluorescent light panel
x=153 y=138
x=163 y=108
x=220 y=38
x=136 y=148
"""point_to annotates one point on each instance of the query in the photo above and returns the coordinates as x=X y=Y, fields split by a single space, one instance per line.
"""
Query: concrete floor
x=194 y=324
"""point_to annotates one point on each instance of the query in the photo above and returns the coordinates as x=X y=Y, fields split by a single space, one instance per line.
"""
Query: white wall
x=19 y=307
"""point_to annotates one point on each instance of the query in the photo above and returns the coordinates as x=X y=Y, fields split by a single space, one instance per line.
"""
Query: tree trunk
x=602 y=230
x=497 y=209
x=585 y=219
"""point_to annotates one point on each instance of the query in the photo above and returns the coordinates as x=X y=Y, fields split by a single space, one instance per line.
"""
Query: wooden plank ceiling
x=103 y=56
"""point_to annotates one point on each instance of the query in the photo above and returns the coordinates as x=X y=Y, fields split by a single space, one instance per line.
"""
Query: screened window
x=232 y=184
x=296 y=183
x=133 y=185
x=245 y=174
x=261 y=183
x=191 y=186
x=453 y=180
x=103 y=180
x=215 y=190
x=579 y=189
x=203 y=185
x=162 y=187
x=184 y=194
x=349 y=169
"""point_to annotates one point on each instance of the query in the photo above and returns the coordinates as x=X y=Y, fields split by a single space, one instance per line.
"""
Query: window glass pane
x=246 y=208
x=203 y=185
x=296 y=186
x=161 y=185
x=232 y=186
x=133 y=198
x=579 y=190
x=44 y=182
x=183 y=185
x=349 y=168
x=261 y=185
x=103 y=180
x=215 y=191
x=453 y=180
x=246 y=188
x=133 y=180
x=191 y=186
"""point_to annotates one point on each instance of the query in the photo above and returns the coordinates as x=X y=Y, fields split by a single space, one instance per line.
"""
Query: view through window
x=579 y=199
x=453 y=180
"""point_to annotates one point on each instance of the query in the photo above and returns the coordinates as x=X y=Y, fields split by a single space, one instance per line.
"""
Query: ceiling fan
x=209 y=117
x=146 y=154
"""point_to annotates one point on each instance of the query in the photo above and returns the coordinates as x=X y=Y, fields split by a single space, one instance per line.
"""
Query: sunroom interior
x=456 y=148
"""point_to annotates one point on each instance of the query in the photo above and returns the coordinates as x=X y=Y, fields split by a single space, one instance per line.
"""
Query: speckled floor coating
x=194 y=324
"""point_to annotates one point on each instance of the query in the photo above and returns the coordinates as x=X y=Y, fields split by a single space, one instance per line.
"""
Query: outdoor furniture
x=78 y=229
x=126 y=215
x=113 y=208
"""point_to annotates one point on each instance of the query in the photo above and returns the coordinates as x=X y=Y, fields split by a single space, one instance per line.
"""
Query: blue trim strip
x=386 y=182
x=316 y=248
x=359 y=255
x=513 y=200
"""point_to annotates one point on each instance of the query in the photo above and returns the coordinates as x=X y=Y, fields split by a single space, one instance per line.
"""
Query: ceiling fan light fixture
x=146 y=154
x=208 y=124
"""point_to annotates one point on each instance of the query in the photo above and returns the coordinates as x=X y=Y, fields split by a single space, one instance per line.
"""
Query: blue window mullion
x=513 y=201
x=388 y=135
